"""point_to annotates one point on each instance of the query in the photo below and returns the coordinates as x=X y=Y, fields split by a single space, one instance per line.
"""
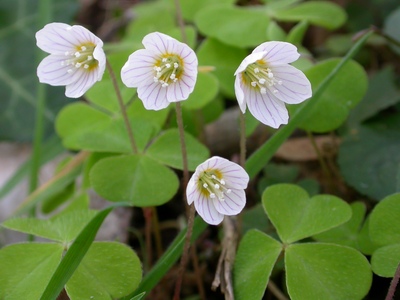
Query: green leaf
x=321 y=13
x=191 y=7
x=63 y=228
x=275 y=32
x=343 y=93
x=26 y=269
x=238 y=27
x=327 y=271
x=296 y=216
x=391 y=28
x=255 y=259
x=225 y=59
x=83 y=127
x=138 y=297
x=109 y=270
x=205 y=91
x=381 y=94
x=297 y=33
x=348 y=233
x=384 y=221
x=254 y=218
x=365 y=244
x=136 y=179
x=74 y=256
x=369 y=159
x=385 y=260
x=18 y=80
x=166 y=149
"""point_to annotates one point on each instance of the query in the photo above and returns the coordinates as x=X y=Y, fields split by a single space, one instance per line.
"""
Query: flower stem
x=122 y=107
x=393 y=284
x=243 y=149
x=190 y=210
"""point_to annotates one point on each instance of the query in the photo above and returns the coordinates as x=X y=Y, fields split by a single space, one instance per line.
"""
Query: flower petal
x=138 y=70
x=153 y=96
x=205 y=208
x=181 y=89
x=100 y=56
x=192 y=189
x=239 y=87
x=252 y=58
x=159 y=43
x=295 y=87
x=233 y=204
x=278 y=52
x=85 y=80
x=56 y=38
x=51 y=71
x=266 y=108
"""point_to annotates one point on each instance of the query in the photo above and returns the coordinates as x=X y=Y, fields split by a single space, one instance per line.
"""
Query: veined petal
x=278 y=52
x=239 y=92
x=206 y=209
x=138 y=70
x=100 y=56
x=153 y=96
x=56 y=38
x=181 y=89
x=233 y=204
x=266 y=108
x=158 y=42
x=52 y=71
x=85 y=80
x=295 y=87
x=192 y=189
x=252 y=58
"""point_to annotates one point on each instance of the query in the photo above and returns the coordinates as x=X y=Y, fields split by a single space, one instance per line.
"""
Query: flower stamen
x=213 y=185
x=260 y=77
x=168 y=70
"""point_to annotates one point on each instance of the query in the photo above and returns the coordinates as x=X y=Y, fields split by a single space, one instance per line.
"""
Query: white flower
x=164 y=72
x=217 y=189
x=265 y=82
x=76 y=59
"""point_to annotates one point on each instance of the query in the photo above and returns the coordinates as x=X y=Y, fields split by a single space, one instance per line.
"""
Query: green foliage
x=237 y=27
x=343 y=93
x=328 y=271
x=26 y=269
x=321 y=13
x=391 y=27
x=205 y=91
x=136 y=179
x=115 y=269
x=296 y=216
x=255 y=259
x=191 y=7
x=18 y=80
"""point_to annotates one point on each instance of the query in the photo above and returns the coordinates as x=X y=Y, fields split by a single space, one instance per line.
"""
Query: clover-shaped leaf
x=296 y=216
x=326 y=271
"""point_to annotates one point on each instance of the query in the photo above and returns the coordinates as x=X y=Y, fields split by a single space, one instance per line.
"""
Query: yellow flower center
x=168 y=69
x=212 y=185
x=260 y=77
x=81 y=58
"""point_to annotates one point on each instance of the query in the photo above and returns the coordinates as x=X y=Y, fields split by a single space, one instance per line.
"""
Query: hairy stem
x=122 y=107
x=393 y=284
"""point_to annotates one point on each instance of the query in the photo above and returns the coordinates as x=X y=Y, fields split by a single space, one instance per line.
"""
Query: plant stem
x=190 y=210
x=243 y=149
x=122 y=107
x=393 y=284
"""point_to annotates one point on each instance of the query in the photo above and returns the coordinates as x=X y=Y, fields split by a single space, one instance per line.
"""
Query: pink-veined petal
x=83 y=35
x=158 y=42
x=266 y=108
x=233 y=203
x=192 y=189
x=277 y=52
x=205 y=208
x=100 y=56
x=233 y=174
x=153 y=96
x=295 y=87
x=252 y=58
x=138 y=70
x=85 y=80
x=239 y=87
x=51 y=71
x=181 y=89
x=56 y=38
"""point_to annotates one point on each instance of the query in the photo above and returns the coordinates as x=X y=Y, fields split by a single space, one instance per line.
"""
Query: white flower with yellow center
x=217 y=189
x=265 y=82
x=76 y=59
x=164 y=72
